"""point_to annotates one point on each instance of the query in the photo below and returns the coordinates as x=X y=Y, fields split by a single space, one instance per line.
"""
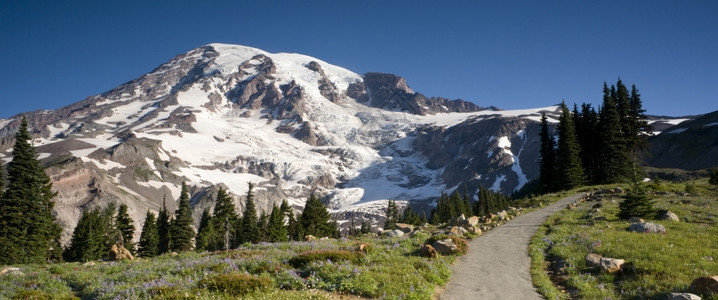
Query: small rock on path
x=497 y=264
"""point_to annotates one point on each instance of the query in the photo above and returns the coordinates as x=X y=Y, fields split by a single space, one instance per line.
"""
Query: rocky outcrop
x=445 y=246
x=683 y=296
x=118 y=253
x=668 y=215
x=647 y=228
x=705 y=285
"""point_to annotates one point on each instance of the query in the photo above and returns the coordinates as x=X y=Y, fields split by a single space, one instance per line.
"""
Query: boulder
x=428 y=251
x=636 y=220
x=406 y=228
x=503 y=214
x=445 y=246
x=89 y=264
x=571 y=206
x=647 y=228
x=309 y=237
x=484 y=228
x=393 y=233
x=458 y=221
x=593 y=260
x=473 y=221
x=705 y=285
x=668 y=215
x=683 y=296
x=11 y=271
x=120 y=253
x=611 y=265
x=474 y=229
x=458 y=231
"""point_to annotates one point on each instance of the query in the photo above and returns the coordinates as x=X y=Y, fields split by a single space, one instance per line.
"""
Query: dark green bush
x=305 y=258
x=235 y=284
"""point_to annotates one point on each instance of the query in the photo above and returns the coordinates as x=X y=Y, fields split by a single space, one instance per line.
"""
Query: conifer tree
x=546 y=162
x=294 y=230
x=636 y=203
x=250 y=230
x=588 y=139
x=613 y=155
x=224 y=219
x=481 y=207
x=315 y=218
x=276 y=230
x=365 y=227
x=28 y=231
x=205 y=232
x=126 y=227
x=713 y=176
x=88 y=238
x=569 y=172
x=149 y=238
x=410 y=217
x=163 y=230
x=392 y=215
x=638 y=125
x=182 y=232
x=108 y=221
x=262 y=225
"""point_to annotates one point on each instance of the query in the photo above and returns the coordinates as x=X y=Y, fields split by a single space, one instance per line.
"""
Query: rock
x=705 y=285
x=503 y=214
x=636 y=220
x=174 y=253
x=120 y=253
x=406 y=228
x=474 y=229
x=473 y=221
x=683 y=296
x=458 y=231
x=484 y=228
x=571 y=206
x=647 y=228
x=458 y=221
x=393 y=233
x=611 y=265
x=593 y=260
x=445 y=246
x=668 y=215
x=618 y=190
x=428 y=251
x=89 y=264
x=11 y=271
x=309 y=237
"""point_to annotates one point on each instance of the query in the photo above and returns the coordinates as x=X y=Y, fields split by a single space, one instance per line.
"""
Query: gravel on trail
x=497 y=264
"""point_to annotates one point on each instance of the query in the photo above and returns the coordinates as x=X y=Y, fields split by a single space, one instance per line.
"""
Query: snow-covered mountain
x=292 y=124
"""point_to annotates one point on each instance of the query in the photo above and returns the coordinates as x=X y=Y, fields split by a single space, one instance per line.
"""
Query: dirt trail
x=497 y=264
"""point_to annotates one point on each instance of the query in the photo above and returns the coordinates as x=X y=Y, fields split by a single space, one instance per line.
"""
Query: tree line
x=595 y=147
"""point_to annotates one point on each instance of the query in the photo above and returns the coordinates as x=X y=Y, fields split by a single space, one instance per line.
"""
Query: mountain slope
x=292 y=124
x=690 y=145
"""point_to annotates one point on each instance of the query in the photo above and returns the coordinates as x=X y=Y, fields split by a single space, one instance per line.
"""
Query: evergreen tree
x=262 y=225
x=276 y=230
x=546 y=161
x=392 y=215
x=294 y=230
x=410 y=217
x=149 y=238
x=250 y=230
x=28 y=231
x=636 y=203
x=2 y=181
x=713 y=176
x=163 y=230
x=88 y=238
x=126 y=227
x=205 y=232
x=224 y=219
x=365 y=227
x=588 y=139
x=637 y=138
x=182 y=232
x=315 y=218
x=569 y=172
x=615 y=160
x=481 y=207
x=111 y=234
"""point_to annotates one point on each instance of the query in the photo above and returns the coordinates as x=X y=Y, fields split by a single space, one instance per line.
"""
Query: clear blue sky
x=510 y=54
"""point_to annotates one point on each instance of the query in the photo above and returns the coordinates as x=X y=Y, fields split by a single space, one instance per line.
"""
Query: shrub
x=305 y=258
x=235 y=284
x=636 y=203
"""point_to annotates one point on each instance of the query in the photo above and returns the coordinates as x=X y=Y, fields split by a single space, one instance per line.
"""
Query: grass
x=389 y=269
x=659 y=263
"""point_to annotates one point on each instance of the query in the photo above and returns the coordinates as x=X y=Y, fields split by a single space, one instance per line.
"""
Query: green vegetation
x=389 y=268
x=657 y=264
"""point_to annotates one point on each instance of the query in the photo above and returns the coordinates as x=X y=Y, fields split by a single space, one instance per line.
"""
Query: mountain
x=689 y=145
x=226 y=115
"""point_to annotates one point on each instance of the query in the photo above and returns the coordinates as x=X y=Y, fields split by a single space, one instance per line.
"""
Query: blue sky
x=509 y=54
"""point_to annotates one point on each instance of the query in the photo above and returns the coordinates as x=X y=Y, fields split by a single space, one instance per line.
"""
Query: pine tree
x=365 y=227
x=87 y=241
x=250 y=230
x=111 y=234
x=588 y=139
x=163 y=230
x=182 y=232
x=392 y=215
x=636 y=203
x=569 y=172
x=205 y=232
x=149 y=238
x=315 y=218
x=294 y=230
x=481 y=207
x=262 y=225
x=126 y=227
x=276 y=230
x=547 y=160
x=637 y=138
x=713 y=176
x=613 y=155
x=224 y=219
x=28 y=231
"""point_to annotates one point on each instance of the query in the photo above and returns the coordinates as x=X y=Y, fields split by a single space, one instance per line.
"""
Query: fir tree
x=205 y=232
x=638 y=124
x=108 y=221
x=276 y=230
x=28 y=231
x=88 y=238
x=262 y=225
x=636 y=203
x=410 y=217
x=315 y=218
x=250 y=230
x=126 y=227
x=149 y=238
x=294 y=230
x=392 y=215
x=613 y=155
x=588 y=139
x=163 y=230
x=182 y=232
x=713 y=176
x=481 y=207
x=224 y=219
x=569 y=172
x=547 y=159
x=365 y=227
